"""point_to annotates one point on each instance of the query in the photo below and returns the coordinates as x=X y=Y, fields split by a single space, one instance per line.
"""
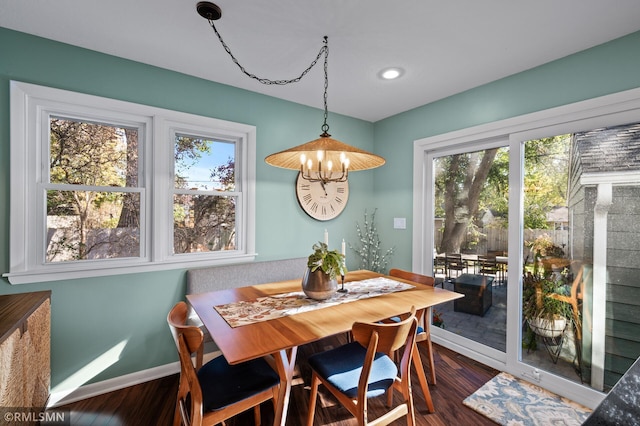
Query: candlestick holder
x=342 y=289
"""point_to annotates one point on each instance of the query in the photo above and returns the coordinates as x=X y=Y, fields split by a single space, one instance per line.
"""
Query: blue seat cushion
x=342 y=366
x=223 y=384
x=418 y=330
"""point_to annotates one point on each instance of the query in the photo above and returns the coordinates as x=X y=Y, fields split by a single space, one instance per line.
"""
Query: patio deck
x=490 y=330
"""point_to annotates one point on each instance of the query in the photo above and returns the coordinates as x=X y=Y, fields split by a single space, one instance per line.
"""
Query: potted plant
x=323 y=268
x=547 y=254
x=437 y=319
x=544 y=313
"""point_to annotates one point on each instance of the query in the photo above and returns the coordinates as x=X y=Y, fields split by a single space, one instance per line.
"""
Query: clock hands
x=324 y=188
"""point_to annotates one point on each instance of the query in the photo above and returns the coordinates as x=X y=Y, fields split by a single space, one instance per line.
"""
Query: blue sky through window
x=196 y=172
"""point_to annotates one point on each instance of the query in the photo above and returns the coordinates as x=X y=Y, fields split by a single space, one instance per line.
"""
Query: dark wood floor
x=152 y=403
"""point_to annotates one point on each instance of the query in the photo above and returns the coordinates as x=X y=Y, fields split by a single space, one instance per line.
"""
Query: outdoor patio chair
x=488 y=265
x=455 y=263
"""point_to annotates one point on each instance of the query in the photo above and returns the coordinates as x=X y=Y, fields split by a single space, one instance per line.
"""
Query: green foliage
x=87 y=154
x=329 y=261
x=461 y=182
x=225 y=174
x=529 y=341
x=543 y=246
x=546 y=178
x=539 y=287
x=203 y=220
x=187 y=152
x=370 y=252
x=468 y=184
x=495 y=194
x=84 y=153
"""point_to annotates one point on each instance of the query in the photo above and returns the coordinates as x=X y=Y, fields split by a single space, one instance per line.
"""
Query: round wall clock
x=322 y=201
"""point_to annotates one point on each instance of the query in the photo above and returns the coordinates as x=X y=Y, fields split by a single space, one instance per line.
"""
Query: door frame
x=610 y=110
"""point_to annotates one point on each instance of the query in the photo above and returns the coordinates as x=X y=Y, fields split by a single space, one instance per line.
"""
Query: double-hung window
x=101 y=187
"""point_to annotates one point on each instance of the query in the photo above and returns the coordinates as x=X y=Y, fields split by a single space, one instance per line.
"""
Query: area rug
x=512 y=402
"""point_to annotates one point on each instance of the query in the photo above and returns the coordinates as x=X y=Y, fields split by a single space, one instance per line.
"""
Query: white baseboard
x=69 y=396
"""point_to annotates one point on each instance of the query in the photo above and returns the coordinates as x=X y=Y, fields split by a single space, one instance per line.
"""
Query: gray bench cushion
x=239 y=275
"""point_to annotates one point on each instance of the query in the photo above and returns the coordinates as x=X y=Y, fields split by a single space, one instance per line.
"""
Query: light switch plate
x=399 y=223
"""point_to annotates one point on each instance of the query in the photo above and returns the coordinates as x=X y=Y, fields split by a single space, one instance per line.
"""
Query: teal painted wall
x=605 y=69
x=92 y=316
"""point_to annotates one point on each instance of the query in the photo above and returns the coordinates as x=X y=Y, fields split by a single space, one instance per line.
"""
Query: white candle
x=344 y=248
x=326 y=237
x=303 y=160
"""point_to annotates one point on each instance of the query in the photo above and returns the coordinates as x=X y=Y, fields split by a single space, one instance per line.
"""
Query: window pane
x=204 y=223
x=84 y=153
x=548 y=271
x=204 y=164
x=582 y=193
x=85 y=225
x=470 y=221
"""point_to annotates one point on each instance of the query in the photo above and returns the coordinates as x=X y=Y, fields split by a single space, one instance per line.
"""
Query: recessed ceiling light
x=391 y=73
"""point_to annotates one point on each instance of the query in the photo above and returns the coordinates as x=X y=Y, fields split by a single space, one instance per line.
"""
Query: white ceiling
x=445 y=46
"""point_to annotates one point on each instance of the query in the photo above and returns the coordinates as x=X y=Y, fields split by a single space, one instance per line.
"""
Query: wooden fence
x=496 y=240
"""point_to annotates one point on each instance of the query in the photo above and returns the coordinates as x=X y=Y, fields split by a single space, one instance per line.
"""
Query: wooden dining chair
x=211 y=393
x=423 y=335
x=364 y=369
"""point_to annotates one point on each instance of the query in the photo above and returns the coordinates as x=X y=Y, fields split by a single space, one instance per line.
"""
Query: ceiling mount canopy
x=321 y=160
x=209 y=11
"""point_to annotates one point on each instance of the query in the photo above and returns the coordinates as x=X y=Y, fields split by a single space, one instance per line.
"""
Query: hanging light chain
x=321 y=174
x=323 y=50
x=325 y=126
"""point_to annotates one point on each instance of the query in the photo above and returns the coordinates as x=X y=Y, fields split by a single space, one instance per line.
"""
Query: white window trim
x=29 y=106
x=615 y=109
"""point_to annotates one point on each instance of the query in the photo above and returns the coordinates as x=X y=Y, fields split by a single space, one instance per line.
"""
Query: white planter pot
x=547 y=328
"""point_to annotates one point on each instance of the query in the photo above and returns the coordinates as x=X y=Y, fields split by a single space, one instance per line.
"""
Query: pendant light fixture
x=324 y=159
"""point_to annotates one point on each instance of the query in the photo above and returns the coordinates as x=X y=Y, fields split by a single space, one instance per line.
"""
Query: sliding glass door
x=536 y=222
x=580 y=287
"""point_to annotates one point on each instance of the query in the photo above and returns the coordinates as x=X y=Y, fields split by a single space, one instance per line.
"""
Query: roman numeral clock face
x=322 y=201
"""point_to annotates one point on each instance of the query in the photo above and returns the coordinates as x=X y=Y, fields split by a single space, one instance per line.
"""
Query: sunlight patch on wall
x=86 y=373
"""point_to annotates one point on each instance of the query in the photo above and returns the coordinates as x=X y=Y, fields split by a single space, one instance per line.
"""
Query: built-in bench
x=213 y=278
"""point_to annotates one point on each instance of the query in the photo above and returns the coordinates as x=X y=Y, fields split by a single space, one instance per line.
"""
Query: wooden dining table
x=278 y=339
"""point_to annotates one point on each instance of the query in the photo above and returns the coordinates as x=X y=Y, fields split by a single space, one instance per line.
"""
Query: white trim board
x=68 y=396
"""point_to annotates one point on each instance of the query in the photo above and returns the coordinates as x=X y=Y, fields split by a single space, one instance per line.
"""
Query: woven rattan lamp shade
x=358 y=158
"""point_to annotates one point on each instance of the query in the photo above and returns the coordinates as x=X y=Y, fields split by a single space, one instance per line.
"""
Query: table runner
x=271 y=307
